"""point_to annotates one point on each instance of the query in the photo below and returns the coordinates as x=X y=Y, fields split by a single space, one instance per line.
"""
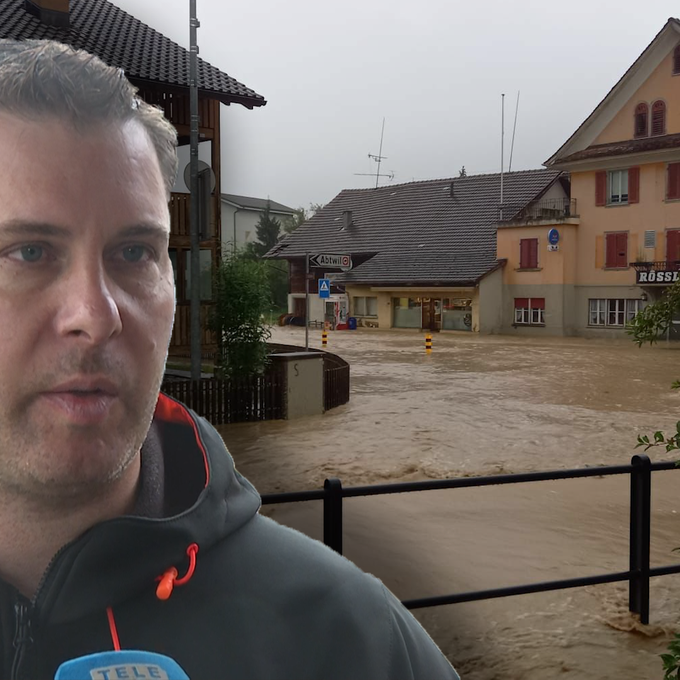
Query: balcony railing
x=662 y=272
x=660 y=266
x=547 y=210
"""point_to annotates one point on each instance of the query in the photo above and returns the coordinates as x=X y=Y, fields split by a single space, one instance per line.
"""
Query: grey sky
x=434 y=69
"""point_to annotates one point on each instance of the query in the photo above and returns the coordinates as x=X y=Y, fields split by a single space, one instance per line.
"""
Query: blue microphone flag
x=127 y=664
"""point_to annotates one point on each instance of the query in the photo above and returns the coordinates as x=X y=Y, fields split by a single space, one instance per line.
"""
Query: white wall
x=246 y=220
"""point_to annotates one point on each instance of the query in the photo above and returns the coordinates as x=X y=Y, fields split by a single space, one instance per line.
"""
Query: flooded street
x=489 y=405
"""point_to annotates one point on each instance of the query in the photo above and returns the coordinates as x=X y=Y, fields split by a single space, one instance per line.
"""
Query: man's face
x=86 y=303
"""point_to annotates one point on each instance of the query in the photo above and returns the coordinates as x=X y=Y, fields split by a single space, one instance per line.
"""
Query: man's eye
x=136 y=253
x=31 y=252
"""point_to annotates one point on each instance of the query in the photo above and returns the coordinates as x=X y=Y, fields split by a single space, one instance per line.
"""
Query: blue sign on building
x=324 y=288
x=553 y=237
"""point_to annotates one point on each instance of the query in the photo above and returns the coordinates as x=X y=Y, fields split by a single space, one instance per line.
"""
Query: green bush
x=242 y=299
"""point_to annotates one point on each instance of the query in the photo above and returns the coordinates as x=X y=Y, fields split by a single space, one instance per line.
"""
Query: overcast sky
x=435 y=70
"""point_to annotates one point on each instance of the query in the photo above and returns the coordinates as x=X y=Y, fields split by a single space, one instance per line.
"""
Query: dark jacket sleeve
x=413 y=654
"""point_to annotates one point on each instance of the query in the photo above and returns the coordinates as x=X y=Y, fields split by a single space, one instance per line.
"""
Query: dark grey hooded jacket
x=264 y=602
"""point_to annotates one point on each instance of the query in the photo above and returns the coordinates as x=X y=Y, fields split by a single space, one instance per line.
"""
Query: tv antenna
x=379 y=158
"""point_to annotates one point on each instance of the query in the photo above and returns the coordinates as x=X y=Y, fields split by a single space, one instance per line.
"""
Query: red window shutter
x=641 y=127
x=610 y=250
x=673 y=185
x=533 y=253
x=621 y=250
x=521 y=303
x=676 y=60
x=524 y=253
x=600 y=187
x=658 y=118
x=537 y=303
x=672 y=245
x=634 y=185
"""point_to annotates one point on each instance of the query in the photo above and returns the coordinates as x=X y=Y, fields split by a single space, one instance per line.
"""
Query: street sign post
x=343 y=262
x=324 y=288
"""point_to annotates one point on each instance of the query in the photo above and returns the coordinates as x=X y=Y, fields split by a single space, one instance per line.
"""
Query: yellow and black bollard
x=428 y=343
x=324 y=338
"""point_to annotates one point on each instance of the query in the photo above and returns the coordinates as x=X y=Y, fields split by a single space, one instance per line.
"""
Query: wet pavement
x=488 y=405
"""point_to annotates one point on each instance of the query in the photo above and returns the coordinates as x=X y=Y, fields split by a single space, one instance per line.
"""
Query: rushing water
x=484 y=405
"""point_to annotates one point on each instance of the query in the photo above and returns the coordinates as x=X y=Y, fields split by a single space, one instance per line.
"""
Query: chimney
x=50 y=12
x=347 y=219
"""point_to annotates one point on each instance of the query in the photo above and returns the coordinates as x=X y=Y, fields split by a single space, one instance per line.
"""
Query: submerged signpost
x=321 y=260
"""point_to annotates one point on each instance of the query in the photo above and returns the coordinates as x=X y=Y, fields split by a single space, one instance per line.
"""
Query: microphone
x=127 y=664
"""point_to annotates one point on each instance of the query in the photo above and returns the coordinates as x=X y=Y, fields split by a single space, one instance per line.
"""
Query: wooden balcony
x=180 y=343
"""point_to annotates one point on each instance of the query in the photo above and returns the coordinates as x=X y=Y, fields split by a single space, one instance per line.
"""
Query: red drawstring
x=113 y=629
x=169 y=579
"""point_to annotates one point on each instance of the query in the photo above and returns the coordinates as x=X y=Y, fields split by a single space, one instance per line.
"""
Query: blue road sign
x=324 y=288
x=553 y=237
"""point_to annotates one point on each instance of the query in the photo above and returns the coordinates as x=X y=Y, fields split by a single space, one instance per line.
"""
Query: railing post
x=332 y=514
x=640 y=519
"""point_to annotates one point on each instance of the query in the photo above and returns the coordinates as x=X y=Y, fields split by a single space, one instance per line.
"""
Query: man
x=123 y=521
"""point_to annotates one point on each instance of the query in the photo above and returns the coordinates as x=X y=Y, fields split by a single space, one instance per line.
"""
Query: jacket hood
x=114 y=560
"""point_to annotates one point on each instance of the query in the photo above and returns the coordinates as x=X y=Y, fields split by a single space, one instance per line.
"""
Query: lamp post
x=194 y=280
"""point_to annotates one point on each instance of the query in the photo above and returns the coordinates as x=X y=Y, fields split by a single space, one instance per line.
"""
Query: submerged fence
x=637 y=575
x=236 y=400
x=254 y=398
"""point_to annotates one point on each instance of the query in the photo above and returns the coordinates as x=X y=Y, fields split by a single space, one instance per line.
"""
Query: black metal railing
x=637 y=575
x=659 y=266
x=548 y=209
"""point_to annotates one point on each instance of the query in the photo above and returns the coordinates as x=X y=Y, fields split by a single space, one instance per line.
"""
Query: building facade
x=422 y=255
x=622 y=246
x=240 y=215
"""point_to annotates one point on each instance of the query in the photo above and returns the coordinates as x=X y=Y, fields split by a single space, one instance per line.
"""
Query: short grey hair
x=45 y=79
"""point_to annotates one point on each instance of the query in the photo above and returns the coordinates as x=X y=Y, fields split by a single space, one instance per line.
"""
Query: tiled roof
x=256 y=203
x=623 y=148
x=418 y=231
x=120 y=40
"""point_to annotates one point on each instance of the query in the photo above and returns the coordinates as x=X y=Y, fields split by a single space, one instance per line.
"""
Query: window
x=617 y=187
x=632 y=308
x=658 y=118
x=365 y=306
x=597 y=312
x=672 y=245
x=673 y=181
x=529 y=311
x=642 y=120
x=528 y=253
x=616 y=312
x=676 y=60
x=616 y=256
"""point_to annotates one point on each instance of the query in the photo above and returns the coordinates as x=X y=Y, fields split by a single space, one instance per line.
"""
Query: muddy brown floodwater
x=488 y=405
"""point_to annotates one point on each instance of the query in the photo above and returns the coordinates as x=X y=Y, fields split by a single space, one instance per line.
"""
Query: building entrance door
x=432 y=314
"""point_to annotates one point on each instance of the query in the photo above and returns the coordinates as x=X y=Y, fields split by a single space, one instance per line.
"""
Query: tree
x=648 y=326
x=242 y=298
x=299 y=217
x=268 y=231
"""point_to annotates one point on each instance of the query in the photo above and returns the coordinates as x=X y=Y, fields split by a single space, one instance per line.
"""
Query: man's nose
x=87 y=305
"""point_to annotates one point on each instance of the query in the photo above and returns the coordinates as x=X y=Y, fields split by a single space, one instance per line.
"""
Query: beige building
x=620 y=246
x=423 y=254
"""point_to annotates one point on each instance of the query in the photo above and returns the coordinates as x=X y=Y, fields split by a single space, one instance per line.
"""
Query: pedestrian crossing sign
x=324 y=288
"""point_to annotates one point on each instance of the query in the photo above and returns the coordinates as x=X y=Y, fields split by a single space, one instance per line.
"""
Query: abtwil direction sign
x=329 y=260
